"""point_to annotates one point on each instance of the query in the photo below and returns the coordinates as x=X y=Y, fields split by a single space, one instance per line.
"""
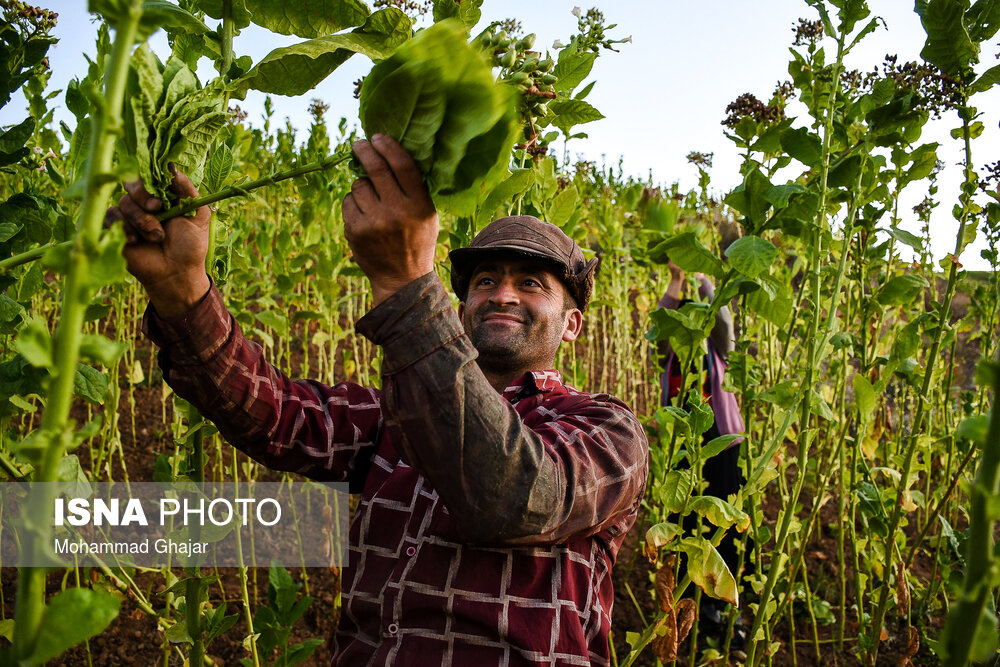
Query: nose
x=505 y=294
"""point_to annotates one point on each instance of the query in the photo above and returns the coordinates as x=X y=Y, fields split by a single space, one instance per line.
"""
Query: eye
x=483 y=281
x=531 y=282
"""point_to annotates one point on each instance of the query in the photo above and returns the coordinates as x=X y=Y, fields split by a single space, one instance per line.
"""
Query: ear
x=461 y=311
x=574 y=325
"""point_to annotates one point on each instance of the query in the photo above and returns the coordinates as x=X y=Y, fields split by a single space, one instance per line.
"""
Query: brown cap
x=527 y=235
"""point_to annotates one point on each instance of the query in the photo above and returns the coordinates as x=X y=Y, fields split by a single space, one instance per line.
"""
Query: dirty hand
x=389 y=218
x=168 y=258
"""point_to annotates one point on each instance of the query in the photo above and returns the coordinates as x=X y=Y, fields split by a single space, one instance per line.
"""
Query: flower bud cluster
x=527 y=71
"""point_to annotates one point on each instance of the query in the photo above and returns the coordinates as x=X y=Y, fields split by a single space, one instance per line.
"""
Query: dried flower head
x=412 y=8
x=236 y=115
x=748 y=106
x=934 y=91
x=807 y=32
x=700 y=160
x=317 y=108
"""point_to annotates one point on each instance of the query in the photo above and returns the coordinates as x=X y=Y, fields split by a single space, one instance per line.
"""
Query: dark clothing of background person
x=722 y=471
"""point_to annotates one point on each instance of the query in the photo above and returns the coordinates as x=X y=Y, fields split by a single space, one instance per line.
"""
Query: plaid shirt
x=487 y=526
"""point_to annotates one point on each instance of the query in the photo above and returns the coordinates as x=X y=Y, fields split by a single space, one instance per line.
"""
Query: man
x=493 y=497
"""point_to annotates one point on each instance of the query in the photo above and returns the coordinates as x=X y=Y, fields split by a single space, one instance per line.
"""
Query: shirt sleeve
x=301 y=426
x=580 y=472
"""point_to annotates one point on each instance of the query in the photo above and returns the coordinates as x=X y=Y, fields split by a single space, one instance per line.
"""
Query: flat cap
x=527 y=235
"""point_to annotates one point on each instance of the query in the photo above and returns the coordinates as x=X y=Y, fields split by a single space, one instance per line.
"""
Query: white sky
x=663 y=95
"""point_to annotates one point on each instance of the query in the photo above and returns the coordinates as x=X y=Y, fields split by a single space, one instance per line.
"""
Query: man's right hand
x=168 y=258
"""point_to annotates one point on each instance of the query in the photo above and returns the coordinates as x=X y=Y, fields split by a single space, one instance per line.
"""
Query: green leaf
x=74 y=479
x=467 y=11
x=719 y=512
x=802 y=145
x=71 y=617
x=297 y=69
x=273 y=319
x=922 y=162
x=864 y=397
x=218 y=169
x=948 y=44
x=307 y=18
x=661 y=534
x=569 y=113
x=12 y=141
x=563 y=206
x=469 y=144
x=902 y=290
x=158 y=14
x=573 y=67
x=707 y=569
x=752 y=256
x=778 y=195
x=906 y=237
x=95 y=347
x=516 y=184
x=301 y=651
x=238 y=13
x=409 y=105
x=687 y=252
x=989 y=78
x=35 y=344
x=675 y=489
x=750 y=198
x=90 y=383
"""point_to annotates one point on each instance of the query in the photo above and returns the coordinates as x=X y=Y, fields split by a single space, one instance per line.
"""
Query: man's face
x=516 y=313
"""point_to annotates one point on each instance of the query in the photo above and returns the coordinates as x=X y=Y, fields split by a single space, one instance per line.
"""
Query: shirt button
x=393 y=628
x=411 y=551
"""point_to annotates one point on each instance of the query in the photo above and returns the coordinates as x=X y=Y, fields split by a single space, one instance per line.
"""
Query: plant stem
x=55 y=429
x=964 y=619
x=944 y=309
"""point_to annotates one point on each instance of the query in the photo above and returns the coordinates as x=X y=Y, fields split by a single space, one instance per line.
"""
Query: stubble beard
x=528 y=346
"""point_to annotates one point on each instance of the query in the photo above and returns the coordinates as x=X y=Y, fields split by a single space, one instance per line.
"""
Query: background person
x=722 y=471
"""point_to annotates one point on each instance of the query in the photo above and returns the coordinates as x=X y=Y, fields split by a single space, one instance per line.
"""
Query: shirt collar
x=534 y=382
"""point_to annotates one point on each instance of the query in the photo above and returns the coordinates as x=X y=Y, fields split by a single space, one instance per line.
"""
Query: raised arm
x=306 y=427
x=575 y=468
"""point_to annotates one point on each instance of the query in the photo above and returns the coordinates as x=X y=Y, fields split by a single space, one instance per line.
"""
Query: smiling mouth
x=503 y=319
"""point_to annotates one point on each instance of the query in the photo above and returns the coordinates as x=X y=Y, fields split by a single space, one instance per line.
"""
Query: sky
x=663 y=95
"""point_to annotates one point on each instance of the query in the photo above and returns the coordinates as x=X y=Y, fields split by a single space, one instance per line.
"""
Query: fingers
x=182 y=185
x=140 y=222
x=113 y=216
x=363 y=195
x=379 y=172
x=137 y=191
x=184 y=189
x=403 y=167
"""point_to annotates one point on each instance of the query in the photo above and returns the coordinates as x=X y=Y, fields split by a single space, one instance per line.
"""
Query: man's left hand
x=389 y=218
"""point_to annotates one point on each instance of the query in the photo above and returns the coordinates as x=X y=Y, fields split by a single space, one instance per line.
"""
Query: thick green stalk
x=55 y=428
x=944 y=309
x=963 y=622
x=806 y=405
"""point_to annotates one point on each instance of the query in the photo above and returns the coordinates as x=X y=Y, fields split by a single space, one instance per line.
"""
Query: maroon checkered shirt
x=488 y=525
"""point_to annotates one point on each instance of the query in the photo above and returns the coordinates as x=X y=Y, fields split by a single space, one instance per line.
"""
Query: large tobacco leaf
x=307 y=18
x=296 y=69
x=169 y=117
x=437 y=96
